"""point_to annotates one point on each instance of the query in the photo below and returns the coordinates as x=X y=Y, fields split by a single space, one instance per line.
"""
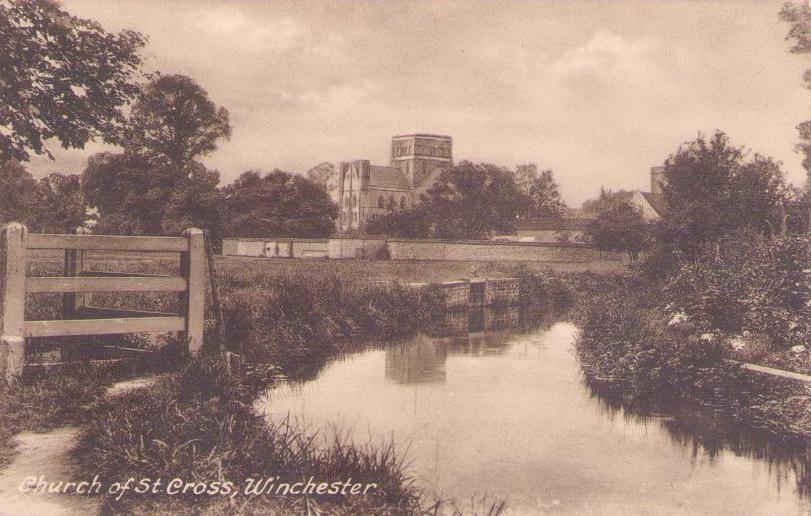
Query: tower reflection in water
x=422 y=359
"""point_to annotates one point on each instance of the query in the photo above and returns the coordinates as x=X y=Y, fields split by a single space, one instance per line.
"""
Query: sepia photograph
x=405 y=257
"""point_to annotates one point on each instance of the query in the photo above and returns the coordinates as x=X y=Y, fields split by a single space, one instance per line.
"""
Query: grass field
x=408 y=271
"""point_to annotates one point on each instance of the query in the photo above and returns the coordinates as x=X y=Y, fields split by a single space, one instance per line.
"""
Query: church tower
x=418 y=155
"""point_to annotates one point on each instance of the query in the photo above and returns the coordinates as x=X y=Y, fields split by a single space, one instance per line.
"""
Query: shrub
x=747 y=283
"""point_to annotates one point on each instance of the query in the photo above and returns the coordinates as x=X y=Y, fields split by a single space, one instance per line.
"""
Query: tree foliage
x=60 y=77
x=60 y=204
x=278 y=204
x=197 y=202
x=410 y=223
x=18 y=192
x=470 y=200
x=620 y=227
x=474 y=200
x=129 y=192
x=712 y=191
x=173 y=122
x=605 y=200
x=798 y=16
x=324 y=175
x=541 y=190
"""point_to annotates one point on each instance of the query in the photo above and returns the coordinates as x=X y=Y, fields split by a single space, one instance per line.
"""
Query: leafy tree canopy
x=324 y=175
x=711 y=191
x=606 y=199
x=60 y=204
x=473 y=200
x=129 y=192
x=620 y=227
x=60 y=77
x=410 y=223
x=541 y=189
x=278 y=204
x=173 y=122
x=18 y=191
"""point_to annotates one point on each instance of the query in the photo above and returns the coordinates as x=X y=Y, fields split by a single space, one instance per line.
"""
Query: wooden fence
x=80 y=318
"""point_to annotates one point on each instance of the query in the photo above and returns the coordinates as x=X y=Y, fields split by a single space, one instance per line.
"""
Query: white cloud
x=234 y=27
x=607 y=58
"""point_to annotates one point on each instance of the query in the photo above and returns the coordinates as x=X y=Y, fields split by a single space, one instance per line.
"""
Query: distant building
x=365 y=189
x=652 y=204
x=564 y=230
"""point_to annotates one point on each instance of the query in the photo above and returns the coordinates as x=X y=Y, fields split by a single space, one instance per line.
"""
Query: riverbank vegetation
x=200 y=423
x=725 y=280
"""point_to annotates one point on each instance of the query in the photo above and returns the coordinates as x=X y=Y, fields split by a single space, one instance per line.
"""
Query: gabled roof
x=387 y=177
x=656 y=201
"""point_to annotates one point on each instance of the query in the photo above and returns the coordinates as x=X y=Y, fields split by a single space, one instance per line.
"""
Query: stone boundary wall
x=276 y=247
x=356 y=247
x=486 y=250
x=367 y=247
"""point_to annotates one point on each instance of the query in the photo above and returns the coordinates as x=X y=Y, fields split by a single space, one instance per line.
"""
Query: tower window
x=381 y=202
x=402 y=202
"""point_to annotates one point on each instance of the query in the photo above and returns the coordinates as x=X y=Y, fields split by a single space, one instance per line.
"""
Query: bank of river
x=507 y=414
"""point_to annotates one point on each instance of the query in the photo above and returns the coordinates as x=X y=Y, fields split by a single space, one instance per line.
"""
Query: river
x=506 y=413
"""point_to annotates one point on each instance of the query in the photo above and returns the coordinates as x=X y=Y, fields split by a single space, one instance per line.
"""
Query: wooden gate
x=80 y=318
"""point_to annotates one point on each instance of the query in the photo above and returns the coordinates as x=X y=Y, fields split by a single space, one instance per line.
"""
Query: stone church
x=365 y=190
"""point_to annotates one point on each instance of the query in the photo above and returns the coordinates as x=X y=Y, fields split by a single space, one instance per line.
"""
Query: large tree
x=474 y=200
x=278 y=204
x=620 y=227
x=198 y=202
x=324 y=175
x=712 y=190
x=60 y=77
x=798 y=16
x=173 y=123
x=544 y=197
x=130 y=192
x=60 y=204
x=18 y=193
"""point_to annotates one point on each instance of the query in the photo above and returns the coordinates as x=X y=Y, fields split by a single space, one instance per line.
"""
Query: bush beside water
x=665 y=340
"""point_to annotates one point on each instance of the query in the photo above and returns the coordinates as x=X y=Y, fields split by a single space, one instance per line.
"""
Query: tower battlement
x=418 y=155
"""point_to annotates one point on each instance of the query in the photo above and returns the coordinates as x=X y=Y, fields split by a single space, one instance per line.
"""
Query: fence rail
x=80 y=318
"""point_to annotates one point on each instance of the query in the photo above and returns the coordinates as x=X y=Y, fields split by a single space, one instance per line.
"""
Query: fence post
x=13 y=237
x=193 y=268
x=73 y=302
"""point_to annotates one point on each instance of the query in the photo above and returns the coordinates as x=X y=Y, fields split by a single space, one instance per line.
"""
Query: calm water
x=508 y=415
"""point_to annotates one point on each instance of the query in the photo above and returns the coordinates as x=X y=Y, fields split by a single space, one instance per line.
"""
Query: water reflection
x=506 y=412
x=706 y=436
x=421 y=360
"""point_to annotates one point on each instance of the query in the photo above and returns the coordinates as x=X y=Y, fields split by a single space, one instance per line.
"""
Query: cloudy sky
x=597 y=91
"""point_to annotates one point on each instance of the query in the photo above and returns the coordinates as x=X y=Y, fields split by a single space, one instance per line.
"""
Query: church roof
x=657 y=202
x=388 y=177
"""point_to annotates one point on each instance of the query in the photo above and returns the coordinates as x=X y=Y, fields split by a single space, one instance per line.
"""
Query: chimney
x=657 y=179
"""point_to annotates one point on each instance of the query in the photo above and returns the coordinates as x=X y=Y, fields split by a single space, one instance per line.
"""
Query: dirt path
x=42 y=454
x=46 y=455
